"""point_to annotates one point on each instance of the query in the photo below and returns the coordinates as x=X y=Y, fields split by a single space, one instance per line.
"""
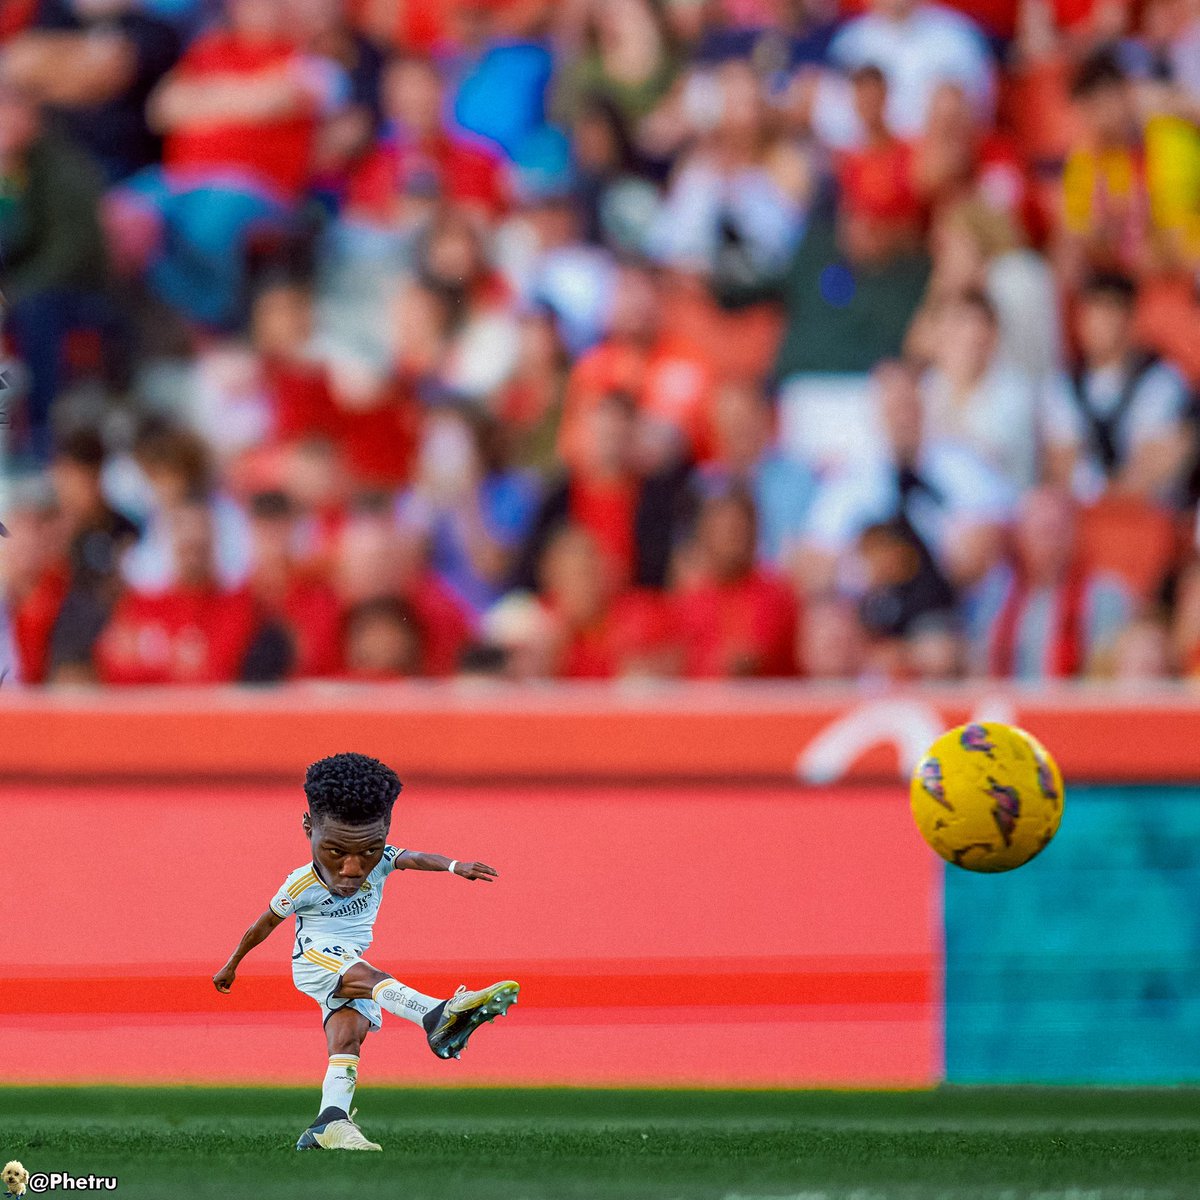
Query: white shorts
x=318 y=971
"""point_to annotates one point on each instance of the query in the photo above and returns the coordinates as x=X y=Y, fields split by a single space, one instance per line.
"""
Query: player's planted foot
x=450 y=1025
x=334 y=1130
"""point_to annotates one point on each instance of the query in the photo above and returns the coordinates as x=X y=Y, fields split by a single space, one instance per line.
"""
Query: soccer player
x=335 y=900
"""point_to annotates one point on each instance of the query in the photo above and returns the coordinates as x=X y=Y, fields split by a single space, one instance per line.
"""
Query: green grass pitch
x=547 y=1144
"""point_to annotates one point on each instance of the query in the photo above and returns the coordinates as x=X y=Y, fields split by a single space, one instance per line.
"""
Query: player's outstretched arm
x=258 y=932
x=416 y=860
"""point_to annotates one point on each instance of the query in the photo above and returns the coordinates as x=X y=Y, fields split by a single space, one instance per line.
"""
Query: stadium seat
x=1131 y=539
x=742 y=343
x=1167 y=316
x=1037 y=105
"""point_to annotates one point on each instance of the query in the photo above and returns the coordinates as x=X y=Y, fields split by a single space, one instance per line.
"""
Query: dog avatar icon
x=16 y=1179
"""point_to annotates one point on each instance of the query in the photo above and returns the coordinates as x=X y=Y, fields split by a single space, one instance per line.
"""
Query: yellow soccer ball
x=987 y=797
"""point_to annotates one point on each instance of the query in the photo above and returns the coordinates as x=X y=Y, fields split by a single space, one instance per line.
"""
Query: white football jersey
x=328 y=923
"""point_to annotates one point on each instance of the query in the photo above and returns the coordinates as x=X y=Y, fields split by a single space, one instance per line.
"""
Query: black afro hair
x=351 y=788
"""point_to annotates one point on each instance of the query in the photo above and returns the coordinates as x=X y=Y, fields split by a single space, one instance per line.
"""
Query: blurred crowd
x=368 y=339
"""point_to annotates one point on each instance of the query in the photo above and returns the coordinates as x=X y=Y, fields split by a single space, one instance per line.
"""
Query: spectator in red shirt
x=315 y=479
x=735 y=620
x=194 y=631
x=425 y=26
x=298 y=614
x=309 y=393
x=634 y=514
x=239 y=116
x=296 y=381
x=380 y=419
x=15 y=16
x=669 y=378
x=252 y=397
x=877 y=178
x=420 y=156
x=376 y=560
x=598 y=632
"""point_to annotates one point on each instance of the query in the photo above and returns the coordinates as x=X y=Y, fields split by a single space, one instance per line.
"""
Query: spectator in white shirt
x=732 y=192
x=977 y=247
x=1120 y=422
x=952 y=499
x=173 y=465
x=972 y=395
x=917 y=46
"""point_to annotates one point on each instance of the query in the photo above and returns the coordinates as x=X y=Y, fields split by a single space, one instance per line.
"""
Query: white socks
x=402 y=1001
x=340 y=1078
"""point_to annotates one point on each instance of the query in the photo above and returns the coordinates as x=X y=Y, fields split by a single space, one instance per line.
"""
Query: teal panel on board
x=1084 y=965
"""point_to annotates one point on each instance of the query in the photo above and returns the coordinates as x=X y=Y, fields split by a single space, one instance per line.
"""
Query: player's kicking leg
x=334 y=1128
x=448 y=1024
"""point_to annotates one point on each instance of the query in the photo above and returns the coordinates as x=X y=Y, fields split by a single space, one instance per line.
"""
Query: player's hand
x=476 y=870
x=223 y=979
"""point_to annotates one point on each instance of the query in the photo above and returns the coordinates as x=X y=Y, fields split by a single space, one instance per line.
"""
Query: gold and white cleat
x=466 y=1011
x=336 y=1135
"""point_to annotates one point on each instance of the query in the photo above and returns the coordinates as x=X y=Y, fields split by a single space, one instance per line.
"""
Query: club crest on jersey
x=975 y=737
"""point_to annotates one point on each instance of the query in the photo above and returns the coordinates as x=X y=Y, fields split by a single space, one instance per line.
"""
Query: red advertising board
x=705 y=884
x=684 y=732
x=756 y=936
